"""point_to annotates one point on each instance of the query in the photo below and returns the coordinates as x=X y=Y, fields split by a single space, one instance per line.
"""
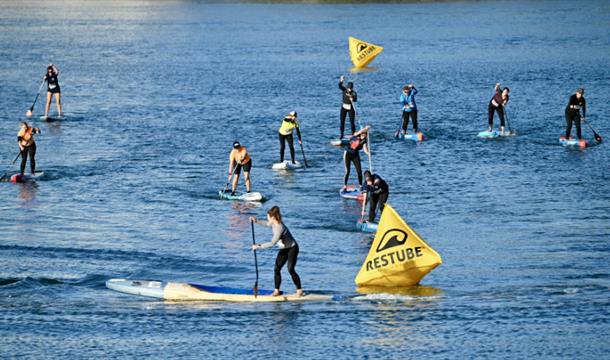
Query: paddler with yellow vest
x=289 y=123
x=27 y=145
x=238 y=159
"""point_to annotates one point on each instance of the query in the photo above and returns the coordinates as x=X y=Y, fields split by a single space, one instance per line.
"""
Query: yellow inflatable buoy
x=398 y=257
x=361 y=52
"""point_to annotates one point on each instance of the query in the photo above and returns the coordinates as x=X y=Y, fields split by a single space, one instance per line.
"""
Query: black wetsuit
x=496 y=104
x=352 y=154
x=378 y=195
x=53 y=84
x=31 y=150
x=349 y=97
x=573 y=114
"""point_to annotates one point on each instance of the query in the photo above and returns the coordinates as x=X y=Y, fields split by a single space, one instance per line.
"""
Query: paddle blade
x=28 y=113
x=255 y=289
x=597 y=137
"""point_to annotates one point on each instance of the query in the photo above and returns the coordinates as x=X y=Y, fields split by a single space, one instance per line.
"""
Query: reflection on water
x=27 y=193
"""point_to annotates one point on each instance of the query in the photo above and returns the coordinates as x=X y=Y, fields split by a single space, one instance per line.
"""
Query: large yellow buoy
x=361 y=52
x=398 y=257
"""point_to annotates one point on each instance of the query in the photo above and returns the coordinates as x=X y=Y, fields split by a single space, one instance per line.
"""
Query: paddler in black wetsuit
x=378 y=192
x=577 y=102
x=347 y=105
x=52 y=89
x=352 y=154
x=289 y=249
x=497 y=103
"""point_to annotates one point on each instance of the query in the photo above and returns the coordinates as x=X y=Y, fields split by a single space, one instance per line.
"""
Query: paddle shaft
x=17 y=157
x=231 y=178
x=363 y=205
x=368 y=145
x=510 y=131
x=597 y=137
x=303 y=153
x=255 y=259
x=37 y=95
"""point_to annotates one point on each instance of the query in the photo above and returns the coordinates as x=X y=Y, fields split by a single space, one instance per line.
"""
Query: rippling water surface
x=155 y=93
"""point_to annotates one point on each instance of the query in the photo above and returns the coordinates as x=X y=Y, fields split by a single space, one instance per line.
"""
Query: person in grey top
x=289 y=249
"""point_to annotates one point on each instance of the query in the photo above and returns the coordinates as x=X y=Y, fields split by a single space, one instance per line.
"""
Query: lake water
x=155 y=93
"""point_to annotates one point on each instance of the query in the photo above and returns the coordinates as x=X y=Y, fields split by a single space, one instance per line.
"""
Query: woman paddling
x=577 y=102
x=347 y=105
x=289 y=123
x=497 y=104
x=352 y=154
x=289 y=249
x=52 y=89
x=409 y=108
x=27 y=145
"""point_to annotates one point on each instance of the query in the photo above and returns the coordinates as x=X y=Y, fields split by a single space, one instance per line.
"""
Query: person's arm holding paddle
x=289 y=249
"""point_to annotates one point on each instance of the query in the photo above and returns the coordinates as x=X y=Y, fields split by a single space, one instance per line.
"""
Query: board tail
x=398 y=257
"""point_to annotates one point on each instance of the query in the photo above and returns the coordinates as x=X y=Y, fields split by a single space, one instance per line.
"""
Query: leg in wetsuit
x=405 y=120
x=500 y=110
x=572 y=116
x=24 y=157
x=289 y=255
x=356 y=160
x=377 y=199
x=352 y=120
x=283 y=139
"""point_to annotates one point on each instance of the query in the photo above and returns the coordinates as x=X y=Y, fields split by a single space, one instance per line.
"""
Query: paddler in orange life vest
x=27 y=145
x=238 y=159
x=497 y=103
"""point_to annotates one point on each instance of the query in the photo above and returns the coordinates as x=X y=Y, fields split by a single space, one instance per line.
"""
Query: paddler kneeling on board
x=378 y=192
x=289 y=123
x=497 y=103
x=27 y=145
x=238 y=159
x=289 y=249
x=352 y=153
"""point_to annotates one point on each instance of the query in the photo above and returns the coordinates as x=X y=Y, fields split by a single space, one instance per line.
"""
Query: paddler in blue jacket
x=289 y=123
x=378 y=192
x=289 y=249
x=409 y=107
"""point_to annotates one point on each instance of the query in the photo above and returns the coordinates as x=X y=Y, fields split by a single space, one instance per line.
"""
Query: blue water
x=154 y=94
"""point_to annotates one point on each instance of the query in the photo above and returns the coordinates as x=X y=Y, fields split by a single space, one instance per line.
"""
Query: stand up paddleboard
x=571 y=142
x=417 y=137
x=494 y=134
x=351 y=192
x=251 y=196
x=18 y=178
x=51 y=118
x=193 y=292
x=365 y=226
x=287 y=165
